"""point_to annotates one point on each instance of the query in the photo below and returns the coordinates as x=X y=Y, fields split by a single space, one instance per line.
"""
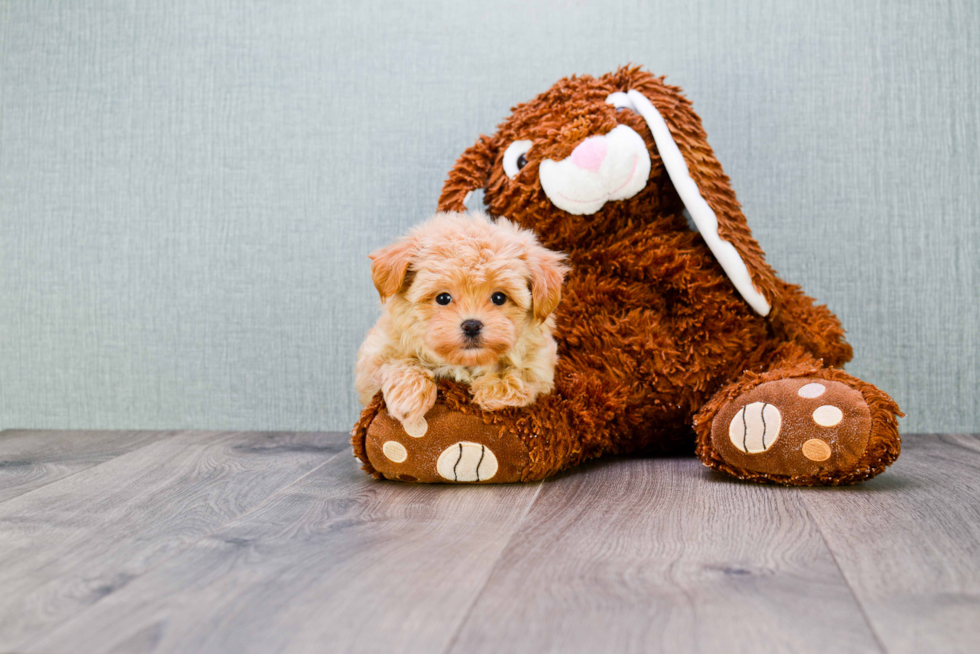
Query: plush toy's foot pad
x=453 y=448
x=797 y=427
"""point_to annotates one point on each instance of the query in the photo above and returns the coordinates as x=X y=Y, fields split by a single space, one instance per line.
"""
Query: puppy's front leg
x=409 y=392
x=501 y=389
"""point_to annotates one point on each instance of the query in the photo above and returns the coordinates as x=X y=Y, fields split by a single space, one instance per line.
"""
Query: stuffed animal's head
x=592 y=156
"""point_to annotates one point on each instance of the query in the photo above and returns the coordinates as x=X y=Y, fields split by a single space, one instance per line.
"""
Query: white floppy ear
x=702 y=214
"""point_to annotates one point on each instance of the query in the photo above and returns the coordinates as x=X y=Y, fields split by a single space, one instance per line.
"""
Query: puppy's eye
x=515 y=157
x=444 y=299
x=498 y=298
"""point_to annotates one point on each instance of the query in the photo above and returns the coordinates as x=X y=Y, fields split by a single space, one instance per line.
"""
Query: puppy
x=463 y=298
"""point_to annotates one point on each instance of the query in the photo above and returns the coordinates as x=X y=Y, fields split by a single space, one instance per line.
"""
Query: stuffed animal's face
x=579 y=154
x=574 y=149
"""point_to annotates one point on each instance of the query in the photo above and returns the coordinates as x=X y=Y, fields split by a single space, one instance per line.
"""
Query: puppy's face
x=464 y=288
x=473 y=311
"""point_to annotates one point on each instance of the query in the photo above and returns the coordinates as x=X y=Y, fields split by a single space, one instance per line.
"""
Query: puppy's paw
x=409 y=394
x=493 y=392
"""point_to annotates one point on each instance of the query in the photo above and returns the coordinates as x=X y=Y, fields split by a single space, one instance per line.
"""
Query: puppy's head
x=464 y=288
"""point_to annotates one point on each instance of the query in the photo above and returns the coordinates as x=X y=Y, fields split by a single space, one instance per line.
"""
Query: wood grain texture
x=31 y=459
x=71 y=543
x=214 y=543
x=337 y=562
x=663 y=556
x=908 y=543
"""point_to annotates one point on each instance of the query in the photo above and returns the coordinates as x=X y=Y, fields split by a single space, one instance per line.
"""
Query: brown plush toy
x=662 y=327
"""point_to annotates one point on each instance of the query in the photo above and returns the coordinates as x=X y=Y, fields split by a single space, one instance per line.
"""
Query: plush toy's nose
x=589 y=154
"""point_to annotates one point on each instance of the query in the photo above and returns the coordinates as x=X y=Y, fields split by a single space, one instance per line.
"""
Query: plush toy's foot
x=449 y=447
x=821 y=428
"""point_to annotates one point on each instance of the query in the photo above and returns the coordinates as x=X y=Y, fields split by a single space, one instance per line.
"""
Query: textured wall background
x=188 y=189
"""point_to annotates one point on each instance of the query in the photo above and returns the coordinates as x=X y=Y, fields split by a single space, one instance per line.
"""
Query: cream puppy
x=464 y=298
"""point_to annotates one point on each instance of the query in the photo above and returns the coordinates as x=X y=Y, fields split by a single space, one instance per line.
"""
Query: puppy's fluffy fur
x=418 y=338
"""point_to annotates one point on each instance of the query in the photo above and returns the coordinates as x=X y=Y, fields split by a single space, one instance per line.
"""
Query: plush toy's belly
x=662 y=325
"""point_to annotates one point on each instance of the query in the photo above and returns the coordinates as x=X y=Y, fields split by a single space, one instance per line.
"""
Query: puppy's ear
x=547 y=276
x=703 y=186
x=389 y=266
x=471 y=172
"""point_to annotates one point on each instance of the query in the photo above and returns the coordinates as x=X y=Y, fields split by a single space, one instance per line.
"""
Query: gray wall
x=188 y=189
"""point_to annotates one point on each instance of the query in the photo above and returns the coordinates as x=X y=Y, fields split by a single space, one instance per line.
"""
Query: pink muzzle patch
x=590 y=153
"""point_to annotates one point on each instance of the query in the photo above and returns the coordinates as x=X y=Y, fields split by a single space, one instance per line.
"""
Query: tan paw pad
x=395 y=451
x=827 y=415
x=811 y=390
x=465 y=461
x=816 y=450
x=416 y=430
x=755 y=427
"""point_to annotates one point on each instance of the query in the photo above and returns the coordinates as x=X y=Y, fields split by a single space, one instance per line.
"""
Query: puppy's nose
x=472 y=328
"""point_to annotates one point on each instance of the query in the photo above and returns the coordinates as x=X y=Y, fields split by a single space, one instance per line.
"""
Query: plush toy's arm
x=812 y=325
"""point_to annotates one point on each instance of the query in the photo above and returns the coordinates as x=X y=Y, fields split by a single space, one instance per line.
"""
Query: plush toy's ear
x=704 y=188
x=389 y=266
x=471 y=172
x=547 y=276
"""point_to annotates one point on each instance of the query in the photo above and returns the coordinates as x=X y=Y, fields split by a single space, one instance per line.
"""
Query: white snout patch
x=614 y=166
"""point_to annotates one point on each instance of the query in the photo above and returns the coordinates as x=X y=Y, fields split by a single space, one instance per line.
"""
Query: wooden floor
x=276 y=542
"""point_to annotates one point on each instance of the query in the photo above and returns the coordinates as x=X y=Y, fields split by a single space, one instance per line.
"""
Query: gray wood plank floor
x=276 y=542
x=29 y=461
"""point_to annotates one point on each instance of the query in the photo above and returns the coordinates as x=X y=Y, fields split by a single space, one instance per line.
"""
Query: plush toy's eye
x=515 y=157
x=444 y=299
x=498 y=298
x=621 y=101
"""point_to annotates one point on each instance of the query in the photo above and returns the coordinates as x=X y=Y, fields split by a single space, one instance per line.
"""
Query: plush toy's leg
x=464 y=444
x=456 y=447
x=800 y=424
